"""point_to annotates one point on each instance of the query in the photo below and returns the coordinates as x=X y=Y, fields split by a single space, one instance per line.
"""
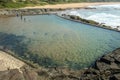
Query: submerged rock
x=12 y=74
x=105 y=68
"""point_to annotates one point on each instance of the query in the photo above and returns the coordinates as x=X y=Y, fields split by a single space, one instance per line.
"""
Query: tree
x=5 y=1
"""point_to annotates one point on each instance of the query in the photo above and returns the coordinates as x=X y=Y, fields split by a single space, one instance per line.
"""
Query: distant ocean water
x=107 y=14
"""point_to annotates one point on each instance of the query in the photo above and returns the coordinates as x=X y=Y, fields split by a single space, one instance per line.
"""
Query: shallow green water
x=67 y=43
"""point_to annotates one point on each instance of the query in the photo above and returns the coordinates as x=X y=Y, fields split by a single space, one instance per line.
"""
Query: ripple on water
x=67 y=43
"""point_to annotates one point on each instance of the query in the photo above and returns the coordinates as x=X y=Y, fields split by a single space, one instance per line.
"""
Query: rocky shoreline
x=55 y=11
x=105 y=68
x=34 y=11
x=17 y=12
x=88 y=22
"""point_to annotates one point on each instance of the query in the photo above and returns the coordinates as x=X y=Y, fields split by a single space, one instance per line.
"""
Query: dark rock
x=73 y=77
x=106 y=68
x=117 y=51
x=43 y=73
x=114 y=66
x=117 y=58
x=115 y=77
x=13 y=74
x=107 y=73
x=114 y=71
x=102 y=66
x=30 y=74
x=92 y=71
x=107 y=59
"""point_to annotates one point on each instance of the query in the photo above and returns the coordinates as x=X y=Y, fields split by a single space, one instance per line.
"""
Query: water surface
x=107 y=14
x=68 y=43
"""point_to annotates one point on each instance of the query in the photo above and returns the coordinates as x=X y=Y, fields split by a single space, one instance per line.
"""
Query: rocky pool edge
x=105 y=68
x=50 y=11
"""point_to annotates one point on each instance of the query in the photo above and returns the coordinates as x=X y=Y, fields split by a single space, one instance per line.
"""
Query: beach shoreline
x=49 y=9
x=106 y=67
x=85 y=21
x=54 y=9
x=72 y=5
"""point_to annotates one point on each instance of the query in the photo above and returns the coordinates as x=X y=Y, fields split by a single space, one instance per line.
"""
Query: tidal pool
x=65 y=42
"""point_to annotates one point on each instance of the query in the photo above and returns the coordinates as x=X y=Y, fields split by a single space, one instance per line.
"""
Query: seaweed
x=20 y=49
x=41 y=60
x=13 y=43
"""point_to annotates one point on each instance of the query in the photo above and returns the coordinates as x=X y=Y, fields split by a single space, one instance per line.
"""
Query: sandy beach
x=9 y=62
x=72 y=5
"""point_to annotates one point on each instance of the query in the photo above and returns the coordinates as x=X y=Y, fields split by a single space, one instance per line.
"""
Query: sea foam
x=107 y=14
x=106 y=6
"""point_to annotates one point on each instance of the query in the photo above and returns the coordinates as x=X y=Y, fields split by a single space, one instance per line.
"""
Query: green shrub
x=12 y=5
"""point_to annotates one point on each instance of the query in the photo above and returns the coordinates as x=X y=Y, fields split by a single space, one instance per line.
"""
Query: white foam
x=116 y=6
x=109 y=18
x=76 y=14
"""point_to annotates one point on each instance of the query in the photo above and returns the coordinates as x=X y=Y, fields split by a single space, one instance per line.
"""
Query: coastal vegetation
x=23 y=3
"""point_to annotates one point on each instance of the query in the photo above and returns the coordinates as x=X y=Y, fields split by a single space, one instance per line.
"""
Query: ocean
x=105 y=14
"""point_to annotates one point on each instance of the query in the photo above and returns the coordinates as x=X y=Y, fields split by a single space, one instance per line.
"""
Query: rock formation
x=105 y=68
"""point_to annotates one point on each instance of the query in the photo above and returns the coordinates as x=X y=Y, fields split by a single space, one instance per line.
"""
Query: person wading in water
x=21 y=16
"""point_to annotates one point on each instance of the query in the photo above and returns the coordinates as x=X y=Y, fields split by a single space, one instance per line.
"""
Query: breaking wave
x=109 y=17
x=106 y=6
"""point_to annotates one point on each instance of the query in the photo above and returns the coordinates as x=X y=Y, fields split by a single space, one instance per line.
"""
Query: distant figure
x=24 y=19
x=8 y=68
x=4 y=47
x=118 y=27
x=17 y=15
x=29 y=20
x=21 y=16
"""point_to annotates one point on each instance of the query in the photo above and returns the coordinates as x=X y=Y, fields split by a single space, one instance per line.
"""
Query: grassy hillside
x=22 y=3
